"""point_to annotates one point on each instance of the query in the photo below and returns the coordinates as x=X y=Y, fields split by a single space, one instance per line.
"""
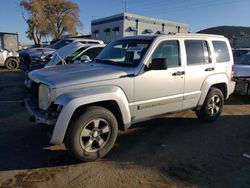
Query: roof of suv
x=181 y=35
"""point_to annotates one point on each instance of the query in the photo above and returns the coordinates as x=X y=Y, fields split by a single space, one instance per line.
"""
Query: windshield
x=124 y=52
x=243 y=59
x=60 y=44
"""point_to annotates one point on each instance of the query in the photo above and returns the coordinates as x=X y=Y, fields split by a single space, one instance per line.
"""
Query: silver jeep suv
x=133 y=79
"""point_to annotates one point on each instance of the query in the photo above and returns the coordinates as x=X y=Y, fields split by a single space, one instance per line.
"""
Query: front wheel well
x=111 y=105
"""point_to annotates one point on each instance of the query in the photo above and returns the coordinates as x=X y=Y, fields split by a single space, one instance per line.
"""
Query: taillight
x=232 y=72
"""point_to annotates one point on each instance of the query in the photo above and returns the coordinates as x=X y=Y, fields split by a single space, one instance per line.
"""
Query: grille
x=34 y=89
x=24 y=58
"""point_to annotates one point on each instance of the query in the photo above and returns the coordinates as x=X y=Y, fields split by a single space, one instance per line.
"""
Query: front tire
x=92 y=135
x=11 y=64
x=212 y=106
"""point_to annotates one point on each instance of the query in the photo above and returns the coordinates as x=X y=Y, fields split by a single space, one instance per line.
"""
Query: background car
x=242 y=74
x=36 y=55
x=242 y=66
x=75 y=52
x=240 y=51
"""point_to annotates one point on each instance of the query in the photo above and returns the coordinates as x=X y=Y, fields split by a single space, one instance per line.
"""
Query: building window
x=160 y=33
x=96 y=33
x=116 y=30
x=107 y=31
x=148 y=31
x=132 y=30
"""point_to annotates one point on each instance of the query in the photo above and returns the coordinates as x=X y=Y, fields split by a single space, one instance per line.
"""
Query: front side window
x=168 y=50
x=197 y=52
x=221 y=51
x=124 y=52
x=92 y=52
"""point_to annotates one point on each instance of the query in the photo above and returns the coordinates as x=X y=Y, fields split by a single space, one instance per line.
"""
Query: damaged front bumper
x=38 y=116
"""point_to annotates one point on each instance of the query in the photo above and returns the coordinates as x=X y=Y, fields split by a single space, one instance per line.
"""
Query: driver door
x=160 y=91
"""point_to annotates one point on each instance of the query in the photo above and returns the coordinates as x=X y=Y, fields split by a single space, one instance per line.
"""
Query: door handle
x=209 y=69
x=178 y=73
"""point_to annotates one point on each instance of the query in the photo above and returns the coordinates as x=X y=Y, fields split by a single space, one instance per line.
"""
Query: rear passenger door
x=198 y=67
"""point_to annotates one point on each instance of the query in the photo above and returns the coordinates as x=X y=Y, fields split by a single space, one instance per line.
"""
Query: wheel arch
x=219 y=81
x=113 y=99
x=11 y=57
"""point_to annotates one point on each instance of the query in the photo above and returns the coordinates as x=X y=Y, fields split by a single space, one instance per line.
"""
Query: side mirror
x=158 y=64
x=85 y=58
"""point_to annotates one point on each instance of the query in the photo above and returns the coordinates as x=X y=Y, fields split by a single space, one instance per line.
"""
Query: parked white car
x=76 y=52
x=32 y=57
x=9 y=59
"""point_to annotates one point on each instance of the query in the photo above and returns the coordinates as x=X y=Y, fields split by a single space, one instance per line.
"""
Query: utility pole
x=125 y=5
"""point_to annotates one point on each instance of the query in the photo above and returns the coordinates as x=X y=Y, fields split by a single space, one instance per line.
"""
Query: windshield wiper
x=105 y=61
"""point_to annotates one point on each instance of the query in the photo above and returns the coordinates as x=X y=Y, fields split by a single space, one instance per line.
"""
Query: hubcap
x=95 y=135
x=12 y=64
x=214 y=105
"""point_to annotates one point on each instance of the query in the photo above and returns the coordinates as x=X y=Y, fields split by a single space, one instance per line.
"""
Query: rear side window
x=197 y=52
x=221 y=51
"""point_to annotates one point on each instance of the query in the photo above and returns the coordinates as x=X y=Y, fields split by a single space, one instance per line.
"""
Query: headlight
x=44 y=97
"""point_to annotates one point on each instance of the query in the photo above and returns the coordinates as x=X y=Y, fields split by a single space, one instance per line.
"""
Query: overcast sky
x=199 y=14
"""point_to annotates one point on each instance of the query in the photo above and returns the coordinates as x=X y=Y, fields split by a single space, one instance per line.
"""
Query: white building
x=126 y=24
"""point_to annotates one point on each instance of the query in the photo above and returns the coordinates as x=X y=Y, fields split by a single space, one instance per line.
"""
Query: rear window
x=221 y=51
x=197 y=52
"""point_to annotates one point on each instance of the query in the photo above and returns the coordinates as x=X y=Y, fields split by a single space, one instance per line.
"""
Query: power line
x=186 y=6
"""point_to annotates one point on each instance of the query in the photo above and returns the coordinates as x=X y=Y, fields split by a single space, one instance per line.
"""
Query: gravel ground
x=172 y=151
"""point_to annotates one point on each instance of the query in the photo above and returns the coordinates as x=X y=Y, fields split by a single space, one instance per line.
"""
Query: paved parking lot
x=176 y=150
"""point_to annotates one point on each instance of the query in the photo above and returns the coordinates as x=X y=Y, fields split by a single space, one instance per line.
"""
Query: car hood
x=64 y=52
x=37 y=52
x=76 y=74
x=242 y=71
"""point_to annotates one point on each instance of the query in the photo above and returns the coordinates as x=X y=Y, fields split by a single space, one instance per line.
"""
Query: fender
x=209 y=81
x=71 y=101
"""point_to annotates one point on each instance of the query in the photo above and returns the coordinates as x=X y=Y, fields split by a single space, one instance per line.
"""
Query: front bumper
x=39 y=116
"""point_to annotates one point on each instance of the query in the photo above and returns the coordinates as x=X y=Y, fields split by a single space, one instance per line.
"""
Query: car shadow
x=236 y=99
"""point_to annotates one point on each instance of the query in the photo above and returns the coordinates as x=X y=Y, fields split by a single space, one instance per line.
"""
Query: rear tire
x=92 y=134
x=11 y=64
x=212 y=106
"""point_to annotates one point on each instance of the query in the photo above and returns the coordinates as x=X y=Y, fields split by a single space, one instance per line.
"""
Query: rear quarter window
x=221 y=51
